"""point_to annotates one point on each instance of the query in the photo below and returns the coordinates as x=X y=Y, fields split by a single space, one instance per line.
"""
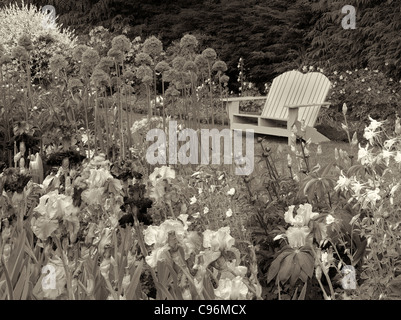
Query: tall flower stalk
x=210 y=55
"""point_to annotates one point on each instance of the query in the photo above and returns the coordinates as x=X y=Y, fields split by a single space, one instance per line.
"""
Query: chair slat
x=293 y=87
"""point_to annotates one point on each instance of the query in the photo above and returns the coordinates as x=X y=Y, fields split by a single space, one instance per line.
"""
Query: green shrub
x=47 y=39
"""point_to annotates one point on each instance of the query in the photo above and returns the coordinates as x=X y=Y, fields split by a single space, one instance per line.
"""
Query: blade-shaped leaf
x=19 y=287
x=303 y=292
x=306 y=262
x=296 y=270
x=130 y=292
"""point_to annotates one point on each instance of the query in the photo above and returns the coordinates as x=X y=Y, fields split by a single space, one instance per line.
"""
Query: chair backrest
x=294 y=87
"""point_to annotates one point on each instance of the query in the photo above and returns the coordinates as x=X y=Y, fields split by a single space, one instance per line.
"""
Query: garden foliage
x=79 y=200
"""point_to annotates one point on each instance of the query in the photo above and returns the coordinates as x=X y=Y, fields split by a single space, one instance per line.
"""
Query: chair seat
x=258 y=116
x=293 y=97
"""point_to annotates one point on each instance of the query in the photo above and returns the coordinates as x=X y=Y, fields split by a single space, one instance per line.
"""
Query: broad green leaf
x=285 y=268
x=275 y=265
x=306 y=262
x=326 y=169
x=303 y=276
x=296 y=269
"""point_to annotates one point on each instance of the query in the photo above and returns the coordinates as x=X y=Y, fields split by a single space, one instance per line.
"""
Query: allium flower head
x=57 y=62
x=143 y=71
x=121 y=43
x=90 y=57
x=152 y=46
x=188 y=43
x=162 y=67
x=116 y=54
x=78 y=51
x=178 y=63
x=143 y=58
x=171 y=75
x=201 y=61
x=100 y=78
x=128 y=75
x=209 y=54
x=105 y=64
x=219 y=66
x=190 y=66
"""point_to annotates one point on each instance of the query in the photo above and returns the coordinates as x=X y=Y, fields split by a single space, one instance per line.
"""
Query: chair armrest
x=242 y=98
x=294 y=106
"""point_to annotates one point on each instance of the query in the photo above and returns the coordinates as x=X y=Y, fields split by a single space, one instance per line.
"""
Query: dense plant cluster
x=80 y=200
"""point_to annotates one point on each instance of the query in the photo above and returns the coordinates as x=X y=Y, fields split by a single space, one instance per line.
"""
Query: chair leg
x=292 y=118
x=315 y=136
x=232 y=107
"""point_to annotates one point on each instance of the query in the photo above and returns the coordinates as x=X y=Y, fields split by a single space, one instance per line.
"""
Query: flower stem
x=67 y=270
x=6 y=274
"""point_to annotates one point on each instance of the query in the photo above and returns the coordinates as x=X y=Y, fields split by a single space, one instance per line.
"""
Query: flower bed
x=85 y=215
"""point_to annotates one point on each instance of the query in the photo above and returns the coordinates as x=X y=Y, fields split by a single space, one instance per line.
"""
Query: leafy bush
x=47 y=37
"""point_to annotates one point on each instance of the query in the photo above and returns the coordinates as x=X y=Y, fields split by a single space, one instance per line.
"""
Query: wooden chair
x=293 y=96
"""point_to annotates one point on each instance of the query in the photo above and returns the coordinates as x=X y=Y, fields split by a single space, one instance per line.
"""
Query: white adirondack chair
x=293 y=96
